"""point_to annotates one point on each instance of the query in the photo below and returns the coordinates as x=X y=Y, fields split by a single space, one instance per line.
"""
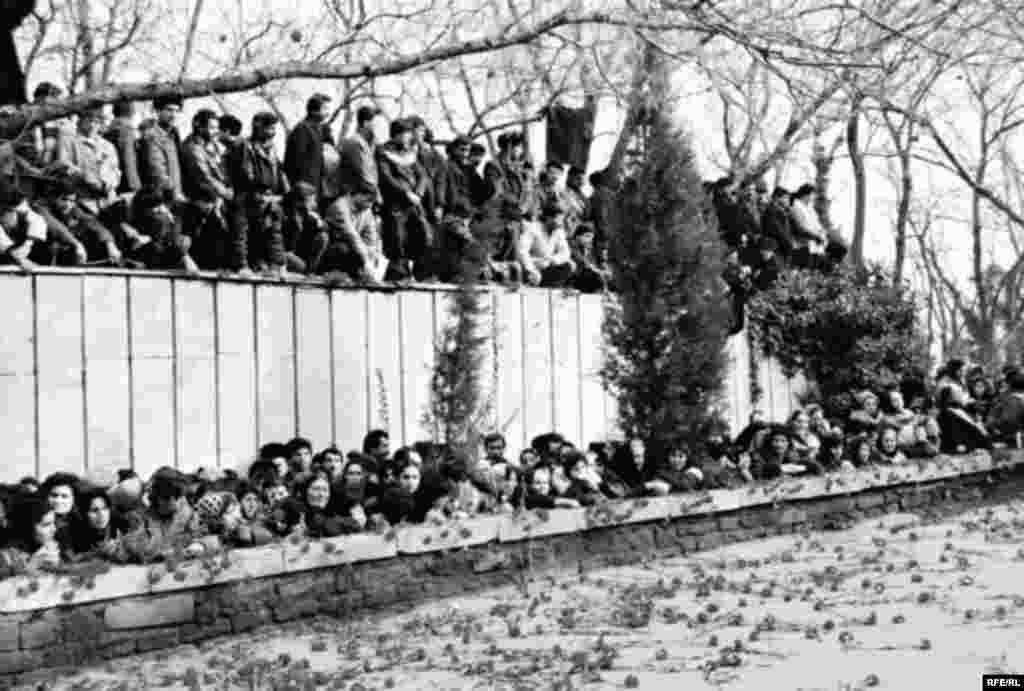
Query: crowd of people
x=766 y=234
x=93 y=192
x=290 y=491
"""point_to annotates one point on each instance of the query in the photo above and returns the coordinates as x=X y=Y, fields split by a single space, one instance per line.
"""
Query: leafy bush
x=667 y=319
x=847 y=331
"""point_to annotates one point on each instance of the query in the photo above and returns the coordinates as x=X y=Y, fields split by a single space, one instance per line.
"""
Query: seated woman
x=408 y=501
x=353 y=496
x=887 y=449
x=33 y=547
x=866 y=418
x=584 y=481
x=317 y=512
x=60 y=490
x=804 y=444
x=539 y=493
x=923 y=446
x=633 y=465
x=898 y=416
x=832 y=456
x=98 y=526
x=678 y=473
x=775 y=456
x=860 y=450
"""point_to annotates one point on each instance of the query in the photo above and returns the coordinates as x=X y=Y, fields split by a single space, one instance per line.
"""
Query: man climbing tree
x=12 y=78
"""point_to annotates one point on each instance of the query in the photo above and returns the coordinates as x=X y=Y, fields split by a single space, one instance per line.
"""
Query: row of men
x=389 y=211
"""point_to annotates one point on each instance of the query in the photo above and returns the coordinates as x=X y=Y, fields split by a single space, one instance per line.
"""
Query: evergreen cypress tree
x=667 y=321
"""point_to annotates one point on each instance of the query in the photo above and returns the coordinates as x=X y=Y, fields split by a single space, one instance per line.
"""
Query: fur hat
x=214 y=504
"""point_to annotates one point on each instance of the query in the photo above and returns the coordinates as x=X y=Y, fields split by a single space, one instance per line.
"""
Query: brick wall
x=44 y=630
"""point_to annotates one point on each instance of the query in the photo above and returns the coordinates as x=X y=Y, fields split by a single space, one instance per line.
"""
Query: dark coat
x=304 y=154
x=160 y=160
x=957 y=429
x=125 y=139
x=1006 y=418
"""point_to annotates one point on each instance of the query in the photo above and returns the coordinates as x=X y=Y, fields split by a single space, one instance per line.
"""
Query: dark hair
x=572 y=458
x=477 y=148
x=316 y=102
x=202 y=117
x=264 y=119
x=25 y=515
x=161 y=102
x=63 y=186
x=10 y=195
x=230 y=124
x=373 y=439
x=46 y=90
x=597 y=178
x=366 y=114
x=57 y=480
x=495 y=437
x=299 y=443
x=400 y=126
x=123 y=108
x=273 y=450
x=84 y=500
x=166 y=487
x=576 y=170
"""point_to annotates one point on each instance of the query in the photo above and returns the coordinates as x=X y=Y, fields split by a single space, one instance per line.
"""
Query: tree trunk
x=859 y=185
x=903 y=212
x=86 y=45
x=635 y=109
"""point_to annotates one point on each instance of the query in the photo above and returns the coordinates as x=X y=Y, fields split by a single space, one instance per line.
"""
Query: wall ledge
x=24 y=594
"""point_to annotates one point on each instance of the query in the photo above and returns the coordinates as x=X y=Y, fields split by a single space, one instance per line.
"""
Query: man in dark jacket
x=304 y=150
x=208 y=189
x=357 y=168
x=1006 y=419
x=260 y=187
x=160 y=149
x=406 y=227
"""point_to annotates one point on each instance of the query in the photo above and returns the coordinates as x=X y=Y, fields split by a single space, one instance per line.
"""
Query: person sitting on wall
x=960 y=432
x=585 y=484
x=207 y=185
x=152 y=233
x=544 y=250
x=590 y=277
x=305 y=232
x=355 y=247
x=405 y=222
x=77 y=236
x=22 y=230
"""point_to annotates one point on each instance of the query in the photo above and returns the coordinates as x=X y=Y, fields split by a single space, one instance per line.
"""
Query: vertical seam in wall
x=368 y=375
x=131 y=371
x=256 y=364
x=552 y=361
x=85 y=380
x=295 y=359
x=330 y=366
x=434 y=338
x=35 y=371
x=581 y=426
x=175 y=354
x=522 y=361
x=495 y=379
x=402 y=355
x=218 y=431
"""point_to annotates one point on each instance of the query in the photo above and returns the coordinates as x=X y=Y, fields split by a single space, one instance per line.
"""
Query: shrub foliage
x=847 y=331
x=667 y=320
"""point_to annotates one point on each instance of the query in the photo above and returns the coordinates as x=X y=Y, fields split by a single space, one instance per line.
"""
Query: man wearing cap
x=160 y=149
x=303 y=152
x=544 y=250
x=91 y=161
x=357 y=168
x=405 y=224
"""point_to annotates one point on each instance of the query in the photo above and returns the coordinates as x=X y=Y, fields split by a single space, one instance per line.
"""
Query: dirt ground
x=892 y=603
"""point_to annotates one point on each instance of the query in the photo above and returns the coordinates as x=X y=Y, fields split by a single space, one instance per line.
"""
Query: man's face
x=476 y=158
x=540 y=483
x=361 y=202
x=495 y=450
x=8 y=217
x=88 y=125
x=517 y=150
x=318 y=115
x=65 y=203
x=301 y=459
x=165 y=506
x=383 y=449
x=420 y=134
x=409 y=480
x=461 y=153
x=780 y=445
x=553 y=174
x=574 y=181
x=168 y=115
x=266 y=133
x=404 y=140
x=209 y=130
